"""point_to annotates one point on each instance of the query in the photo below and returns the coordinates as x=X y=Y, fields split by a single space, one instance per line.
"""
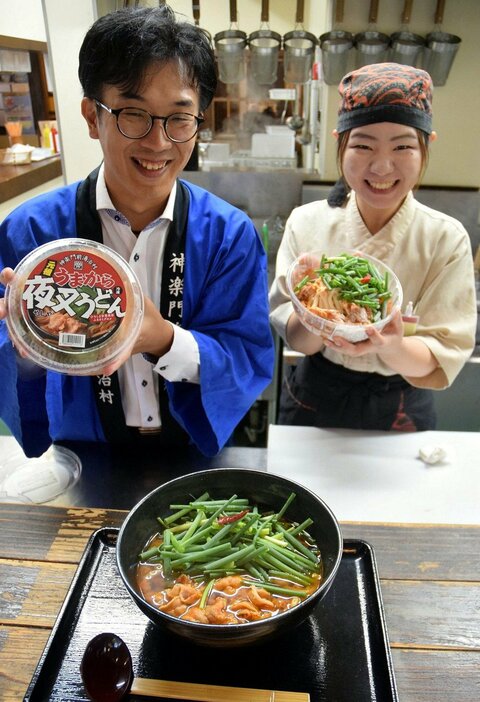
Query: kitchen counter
x=118 y=479
x=15 y=180
x=362 y=475
x=378 y=476
x=429 y=576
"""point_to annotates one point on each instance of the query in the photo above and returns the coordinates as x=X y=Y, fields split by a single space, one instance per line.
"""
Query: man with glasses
x=204 y=352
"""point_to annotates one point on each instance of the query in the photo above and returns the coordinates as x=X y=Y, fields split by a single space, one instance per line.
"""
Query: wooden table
x=430 y=580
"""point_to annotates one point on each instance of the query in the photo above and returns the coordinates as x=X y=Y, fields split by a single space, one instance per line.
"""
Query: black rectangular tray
x=339 y=654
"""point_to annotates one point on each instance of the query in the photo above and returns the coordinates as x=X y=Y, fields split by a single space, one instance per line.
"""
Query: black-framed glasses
x=135 y=123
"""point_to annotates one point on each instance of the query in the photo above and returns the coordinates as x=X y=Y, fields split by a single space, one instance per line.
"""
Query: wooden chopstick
x=211 y=693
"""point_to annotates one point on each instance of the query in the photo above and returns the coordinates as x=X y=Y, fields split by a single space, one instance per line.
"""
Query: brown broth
x=237 y=602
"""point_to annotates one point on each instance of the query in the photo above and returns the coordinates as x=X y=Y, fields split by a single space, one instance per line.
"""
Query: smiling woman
x=383 y=382
x=382 y=163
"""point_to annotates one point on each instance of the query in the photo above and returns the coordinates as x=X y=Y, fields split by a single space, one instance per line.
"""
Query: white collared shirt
x=137 y=377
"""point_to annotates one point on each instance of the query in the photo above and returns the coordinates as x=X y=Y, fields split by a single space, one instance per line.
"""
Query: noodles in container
x=73 y=306
x=343 y=294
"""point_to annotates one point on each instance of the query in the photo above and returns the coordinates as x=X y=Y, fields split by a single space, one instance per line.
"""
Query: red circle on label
x=74 y=300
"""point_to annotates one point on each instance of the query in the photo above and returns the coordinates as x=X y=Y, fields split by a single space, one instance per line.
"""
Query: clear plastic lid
x=73 y=306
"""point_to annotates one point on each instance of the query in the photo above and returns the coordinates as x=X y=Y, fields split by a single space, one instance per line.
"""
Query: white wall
x=22 y=18
x=66 y=24
x=215 y=14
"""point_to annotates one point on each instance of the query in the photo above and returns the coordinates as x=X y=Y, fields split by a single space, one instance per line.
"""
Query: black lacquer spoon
x=106 y=668
x=107 y=674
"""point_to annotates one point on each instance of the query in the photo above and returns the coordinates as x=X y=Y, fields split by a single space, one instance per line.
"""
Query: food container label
x=73 y=299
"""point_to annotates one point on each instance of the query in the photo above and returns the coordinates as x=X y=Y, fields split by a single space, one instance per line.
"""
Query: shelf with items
x=29 y=99
x=24 y=91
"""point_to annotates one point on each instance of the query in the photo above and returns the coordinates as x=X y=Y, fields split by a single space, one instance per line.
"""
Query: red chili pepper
x=232 y=517
x=366 y=278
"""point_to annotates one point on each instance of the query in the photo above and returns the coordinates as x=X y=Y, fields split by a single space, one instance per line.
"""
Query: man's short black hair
x=121 y=46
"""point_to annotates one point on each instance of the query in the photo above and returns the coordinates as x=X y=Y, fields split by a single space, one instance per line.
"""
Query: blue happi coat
x=225 y=306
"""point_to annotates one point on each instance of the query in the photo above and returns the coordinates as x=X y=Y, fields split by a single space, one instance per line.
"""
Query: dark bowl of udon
x=270 y=493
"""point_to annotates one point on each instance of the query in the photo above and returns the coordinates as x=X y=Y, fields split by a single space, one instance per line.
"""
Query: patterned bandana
x=386 y=92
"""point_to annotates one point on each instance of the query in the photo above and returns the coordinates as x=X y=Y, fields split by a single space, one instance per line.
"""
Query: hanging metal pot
x=336 y=48
x=299 y=51
x=230 y=47
x=264 y=49
x=406 y=47
x=440 y=50
x=371 y=46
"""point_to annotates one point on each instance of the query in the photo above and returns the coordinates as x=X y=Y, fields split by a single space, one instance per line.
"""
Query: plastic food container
x=16 y=156
x=352 y=332
x=37 y=480
x=74 y=306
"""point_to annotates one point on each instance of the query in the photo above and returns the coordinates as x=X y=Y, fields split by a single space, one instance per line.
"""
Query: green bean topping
x=356 y=279
x=205 y=539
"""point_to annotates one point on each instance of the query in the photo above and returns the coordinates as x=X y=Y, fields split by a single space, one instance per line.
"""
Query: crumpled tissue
x=431 y=454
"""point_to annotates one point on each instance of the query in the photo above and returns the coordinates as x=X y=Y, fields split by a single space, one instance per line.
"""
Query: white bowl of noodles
x=341 y=294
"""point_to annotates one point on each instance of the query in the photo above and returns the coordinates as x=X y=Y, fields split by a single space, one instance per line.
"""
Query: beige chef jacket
x=429 y=251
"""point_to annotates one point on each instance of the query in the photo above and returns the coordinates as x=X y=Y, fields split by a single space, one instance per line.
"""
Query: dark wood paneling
x=50 y=533
x=416 y=613
x=38 y=88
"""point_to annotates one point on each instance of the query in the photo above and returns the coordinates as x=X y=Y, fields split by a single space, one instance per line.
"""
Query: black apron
x=320 y=393
x=111 y=411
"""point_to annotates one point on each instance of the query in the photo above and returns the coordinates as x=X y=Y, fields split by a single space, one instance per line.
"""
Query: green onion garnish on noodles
x=259 y=546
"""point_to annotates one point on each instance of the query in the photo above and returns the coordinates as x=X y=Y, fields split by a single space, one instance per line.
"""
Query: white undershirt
x=137 y=377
